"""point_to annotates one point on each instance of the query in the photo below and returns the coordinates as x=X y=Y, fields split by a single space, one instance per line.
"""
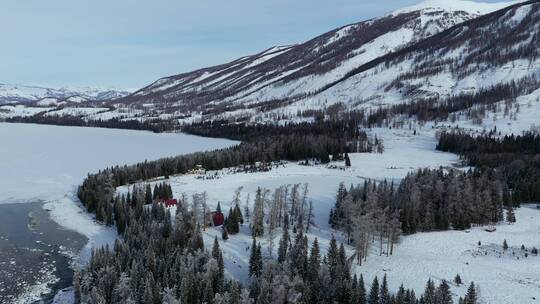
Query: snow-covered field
x=47 y=163
x=503 y=277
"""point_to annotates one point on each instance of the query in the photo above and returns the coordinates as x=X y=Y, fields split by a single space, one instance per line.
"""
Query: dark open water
x=33 y=250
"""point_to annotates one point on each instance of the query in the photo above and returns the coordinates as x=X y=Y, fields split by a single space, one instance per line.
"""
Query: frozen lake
x=40 y=163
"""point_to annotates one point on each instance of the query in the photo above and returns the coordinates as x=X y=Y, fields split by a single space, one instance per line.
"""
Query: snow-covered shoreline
x=48 y=163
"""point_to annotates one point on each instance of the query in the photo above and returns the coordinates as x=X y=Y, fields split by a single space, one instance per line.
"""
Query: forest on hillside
x=516 y=158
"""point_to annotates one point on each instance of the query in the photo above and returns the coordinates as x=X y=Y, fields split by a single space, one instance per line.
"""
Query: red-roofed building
x=171 y=202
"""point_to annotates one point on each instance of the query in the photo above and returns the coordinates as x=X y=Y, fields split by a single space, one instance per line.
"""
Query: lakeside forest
x=162 y=257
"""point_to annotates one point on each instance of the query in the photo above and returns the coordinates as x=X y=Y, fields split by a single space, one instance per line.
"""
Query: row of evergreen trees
x=347 y=127
x=516 y=158
x=425 y=200
x=154 y=125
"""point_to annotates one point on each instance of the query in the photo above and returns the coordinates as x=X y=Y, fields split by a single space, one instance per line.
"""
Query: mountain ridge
x=20 y=93
x=367 y=32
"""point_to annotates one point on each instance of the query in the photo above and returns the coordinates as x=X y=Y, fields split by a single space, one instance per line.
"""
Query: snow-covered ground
x=47 y=163
x=21 y=111
x=503 y=277
x=438 y=255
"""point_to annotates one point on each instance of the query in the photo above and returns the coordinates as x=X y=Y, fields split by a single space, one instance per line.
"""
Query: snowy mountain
x=455 y=53
x=494 y=50
x=307 y=73
x=11 y=93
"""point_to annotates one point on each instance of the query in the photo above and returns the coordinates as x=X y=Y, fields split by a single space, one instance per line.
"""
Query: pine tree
x=255 y=259
x=337 y=212
x=166 y=230
x=384 y=295
x=148 y=194
x=231 y=223
x=218 y=209
x=458 y=280
x=347 y=160
x=471 y=297
x=401 y=296
x=257 y=225
x=332 y=259
x=238 y=214
x=224 y=234
x=510 y=215
x=259 y=261
x=218 y=256
x=444 y=296
x=314 y=264
x=284 y=241
x=505 y=245
x=361 y=291
x=429 y=293
x=343 y=264
x=374 y=292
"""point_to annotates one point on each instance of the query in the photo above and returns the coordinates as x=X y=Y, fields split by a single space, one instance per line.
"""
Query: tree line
x=347 y=128
x=438 y=109
x=153 y=125
x=375 y=214
x=516 y=158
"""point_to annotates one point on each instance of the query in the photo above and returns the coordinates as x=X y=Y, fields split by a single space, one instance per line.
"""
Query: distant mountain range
x=11 y=93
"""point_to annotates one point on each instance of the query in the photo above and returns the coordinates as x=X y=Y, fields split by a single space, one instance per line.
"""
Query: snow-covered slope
x=493 y=50
x=293 y=72
x=44 y=96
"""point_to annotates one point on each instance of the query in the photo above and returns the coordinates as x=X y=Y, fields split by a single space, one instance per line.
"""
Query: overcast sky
x=130 y=43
